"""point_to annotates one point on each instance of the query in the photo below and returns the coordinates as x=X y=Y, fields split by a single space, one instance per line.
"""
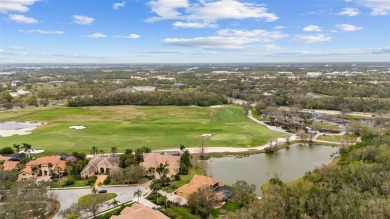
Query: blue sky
x=187 y=31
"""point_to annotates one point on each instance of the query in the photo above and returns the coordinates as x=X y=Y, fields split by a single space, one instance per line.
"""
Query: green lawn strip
x=227 y=207
x=135 y=126
x=183 y=213
x=338 y=138
x=107 y=196
x=325 y=125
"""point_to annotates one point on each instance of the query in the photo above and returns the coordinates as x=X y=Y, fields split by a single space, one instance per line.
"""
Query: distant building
x=16 y=83
x=100 y=164
x=285 y=73
x=313 y=74
x=137 y=89
x=139 y=211
x=19 y=93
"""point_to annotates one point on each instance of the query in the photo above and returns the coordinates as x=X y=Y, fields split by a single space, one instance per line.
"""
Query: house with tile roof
x=139 y=211
x=155 y=159
x=100 y=165
x=198 y=182
x=8 y=163
x=46 y=165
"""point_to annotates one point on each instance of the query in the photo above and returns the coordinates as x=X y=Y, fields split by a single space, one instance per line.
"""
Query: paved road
x=69 y=196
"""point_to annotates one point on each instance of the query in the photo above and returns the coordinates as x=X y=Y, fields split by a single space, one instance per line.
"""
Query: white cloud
x=16 y=5
x=259 y=35
x=219 y=43
x=312 y=28
x=311 y=38
x=183 y=52
x=84 y=20
x=378 y=7
x=348 y=27
x=97 y=35
x=231 y=39
x=14 y=47
x=57 y=32
x=118 y=5
x=130 y=36
x=279 y=27
x=348 y=52
x=22 y=19
x=349 y=12
x=166 y=9
x=207 y=11
x=228 y=9
x=194 y=24
x=1 y=51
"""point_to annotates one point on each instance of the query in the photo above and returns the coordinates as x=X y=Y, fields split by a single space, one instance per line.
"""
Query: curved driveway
x=69 y=196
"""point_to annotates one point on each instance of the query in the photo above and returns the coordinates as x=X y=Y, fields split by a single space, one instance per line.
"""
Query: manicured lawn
x=107 y=196
x=130 y=127
x=184 y=213
x=227 y=207
x=351 y=138
x=325 y=125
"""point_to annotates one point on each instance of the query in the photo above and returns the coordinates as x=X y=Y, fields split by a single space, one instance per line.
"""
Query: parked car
x=103 y=191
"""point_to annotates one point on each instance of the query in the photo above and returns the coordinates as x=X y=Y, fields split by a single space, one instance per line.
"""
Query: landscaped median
x=103 y=197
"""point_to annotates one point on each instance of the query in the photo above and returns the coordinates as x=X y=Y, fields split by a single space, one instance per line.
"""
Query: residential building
x=46 y=165
x=198 y=182
x=100 y=164
x=8 y=163
x=155 y=159
x=139 y=211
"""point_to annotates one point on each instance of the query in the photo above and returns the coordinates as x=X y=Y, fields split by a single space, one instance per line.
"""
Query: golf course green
x=136 y=126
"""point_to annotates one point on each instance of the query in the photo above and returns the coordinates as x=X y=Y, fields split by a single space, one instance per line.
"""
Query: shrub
x=107 y=180
x=68 y=182
x=177 y=177
x=92 y=180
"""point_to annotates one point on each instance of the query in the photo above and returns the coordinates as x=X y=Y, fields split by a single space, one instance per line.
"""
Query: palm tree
x=34 y=170
x=27 y=148
x=182 y=147
x=138 y=193
x=113 y=150
x=114 y=203
x=17 y=147
x=59 y=169
x=2 y=164
x=94 y=150
x=151 y=170
x=101 y=152
x=155 y=187
x=93 y=189
x=161 y=169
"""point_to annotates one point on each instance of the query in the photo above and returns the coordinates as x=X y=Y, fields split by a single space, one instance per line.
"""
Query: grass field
x=106 y=196
x=338 y=138
x=134 y=126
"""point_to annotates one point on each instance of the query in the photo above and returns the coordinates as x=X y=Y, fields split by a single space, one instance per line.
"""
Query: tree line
x=158 y=98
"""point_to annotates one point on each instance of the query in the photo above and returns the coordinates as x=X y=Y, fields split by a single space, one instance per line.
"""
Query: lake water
x=18 y=125
x=289 y=164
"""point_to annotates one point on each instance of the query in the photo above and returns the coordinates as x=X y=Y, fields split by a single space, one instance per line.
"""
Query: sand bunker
x=206 y=135
x=77 y=127
x=8 y=129
x=34 y=151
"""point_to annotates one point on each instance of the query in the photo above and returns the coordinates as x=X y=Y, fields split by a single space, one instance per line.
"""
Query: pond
x=289 y=164
x=18 y=125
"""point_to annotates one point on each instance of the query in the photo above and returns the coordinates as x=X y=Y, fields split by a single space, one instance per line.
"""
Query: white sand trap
x=206 y=135
x=217 y=106
x=8 y=133
x=77 y=127
x=35 y=151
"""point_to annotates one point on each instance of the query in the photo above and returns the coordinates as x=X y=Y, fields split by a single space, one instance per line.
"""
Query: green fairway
x=134 y=126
